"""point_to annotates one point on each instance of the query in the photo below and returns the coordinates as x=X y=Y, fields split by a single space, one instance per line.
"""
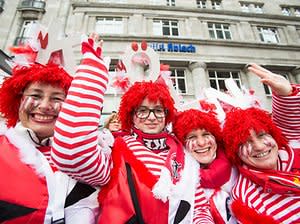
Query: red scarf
x=275 y=181
x=155 y=142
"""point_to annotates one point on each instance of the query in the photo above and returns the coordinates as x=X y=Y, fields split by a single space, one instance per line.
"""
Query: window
x=297 y=12
x=245 y=7
x=201 y=4
x=112 y=1
x=165 y=27
x=258 y=8
x=217 y=79
x=110 y=88
x=109 y=25
x=179 y=80
x=251 y=7
x=286 y=11
x=170 y=2
x=24 y=32
x=156 y=2
x=268 y=34
x=25 y=28
x=32 y=4
x=290 y=10
x=1 y=3
x=216 y=4
x=113 y=76
x=267 y=88
x=219 y=31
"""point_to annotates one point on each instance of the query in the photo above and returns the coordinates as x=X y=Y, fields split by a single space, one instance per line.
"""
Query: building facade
x=203 y=41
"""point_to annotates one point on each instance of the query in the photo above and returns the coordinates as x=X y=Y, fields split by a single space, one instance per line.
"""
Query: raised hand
x=278 y=83
x=92 y=44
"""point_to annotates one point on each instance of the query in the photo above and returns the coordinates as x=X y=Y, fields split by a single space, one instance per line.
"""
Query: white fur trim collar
x=28 y=153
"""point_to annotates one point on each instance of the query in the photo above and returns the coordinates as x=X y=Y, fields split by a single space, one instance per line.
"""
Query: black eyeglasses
x=144 y=112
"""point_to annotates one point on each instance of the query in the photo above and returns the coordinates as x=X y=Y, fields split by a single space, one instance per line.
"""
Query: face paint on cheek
x=57 y=107
x=245 y=150
x=269 y=141
x=28 y=104
x=211 y=140
x=191 y=144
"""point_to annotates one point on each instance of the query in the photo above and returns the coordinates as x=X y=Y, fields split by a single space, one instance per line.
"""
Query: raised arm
x=285 y=101
x=202 y=214
x=286 y=114
x=75 y=149
x=279 y=85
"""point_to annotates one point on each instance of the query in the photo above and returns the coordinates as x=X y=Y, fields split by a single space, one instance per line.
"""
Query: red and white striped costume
x=41 y=193
x=286 y=114
x=201 y=208
x=259 y=204
x=219 y=200
x=75 y=148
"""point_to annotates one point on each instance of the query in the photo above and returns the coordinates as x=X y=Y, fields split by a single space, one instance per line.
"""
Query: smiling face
x=202 y=145
x=260 y=151
x=39 y=108
x=152 y=124
x=114 y=125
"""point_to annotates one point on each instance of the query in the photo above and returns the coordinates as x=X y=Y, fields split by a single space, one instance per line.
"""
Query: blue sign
x=173 y=47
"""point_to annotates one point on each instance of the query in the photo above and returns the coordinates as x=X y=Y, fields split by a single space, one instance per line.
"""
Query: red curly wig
x=12 y=88
x=238 y=124
x=134 y=96
x=193 y=119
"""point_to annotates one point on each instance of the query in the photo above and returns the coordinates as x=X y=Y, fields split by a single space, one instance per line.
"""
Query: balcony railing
x=32 y=5
x=1 y=5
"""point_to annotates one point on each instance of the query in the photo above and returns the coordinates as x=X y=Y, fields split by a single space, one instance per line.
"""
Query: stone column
x=199 y=75
x=296 y=74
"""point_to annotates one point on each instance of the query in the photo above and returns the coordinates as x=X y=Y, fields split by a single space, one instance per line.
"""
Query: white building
x=203 y=41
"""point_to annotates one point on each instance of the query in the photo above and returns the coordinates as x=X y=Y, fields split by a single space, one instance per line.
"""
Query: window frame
x=24 y=26
x=258 y=8
x=219 y=80
x=215 y=30
x=265 y=34
x=216 y=4
x=111 y=1
x=111 y=25
x=22 y=37
x=156 y=2
x=286 y=11
x=297 y=12
x=171 y=2
x=245 y=7
x=201 y=4
x=175 y=79
x=163 y=26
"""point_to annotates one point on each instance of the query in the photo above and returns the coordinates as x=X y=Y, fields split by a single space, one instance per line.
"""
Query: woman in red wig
x=32 y=190
x=200 y=132
x=147 y=162
x=268 y=187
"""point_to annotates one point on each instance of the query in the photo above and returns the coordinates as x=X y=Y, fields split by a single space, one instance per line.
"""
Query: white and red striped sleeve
x=202 y=212
x=75 y=149
x=286 y=113
x=283 y=208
